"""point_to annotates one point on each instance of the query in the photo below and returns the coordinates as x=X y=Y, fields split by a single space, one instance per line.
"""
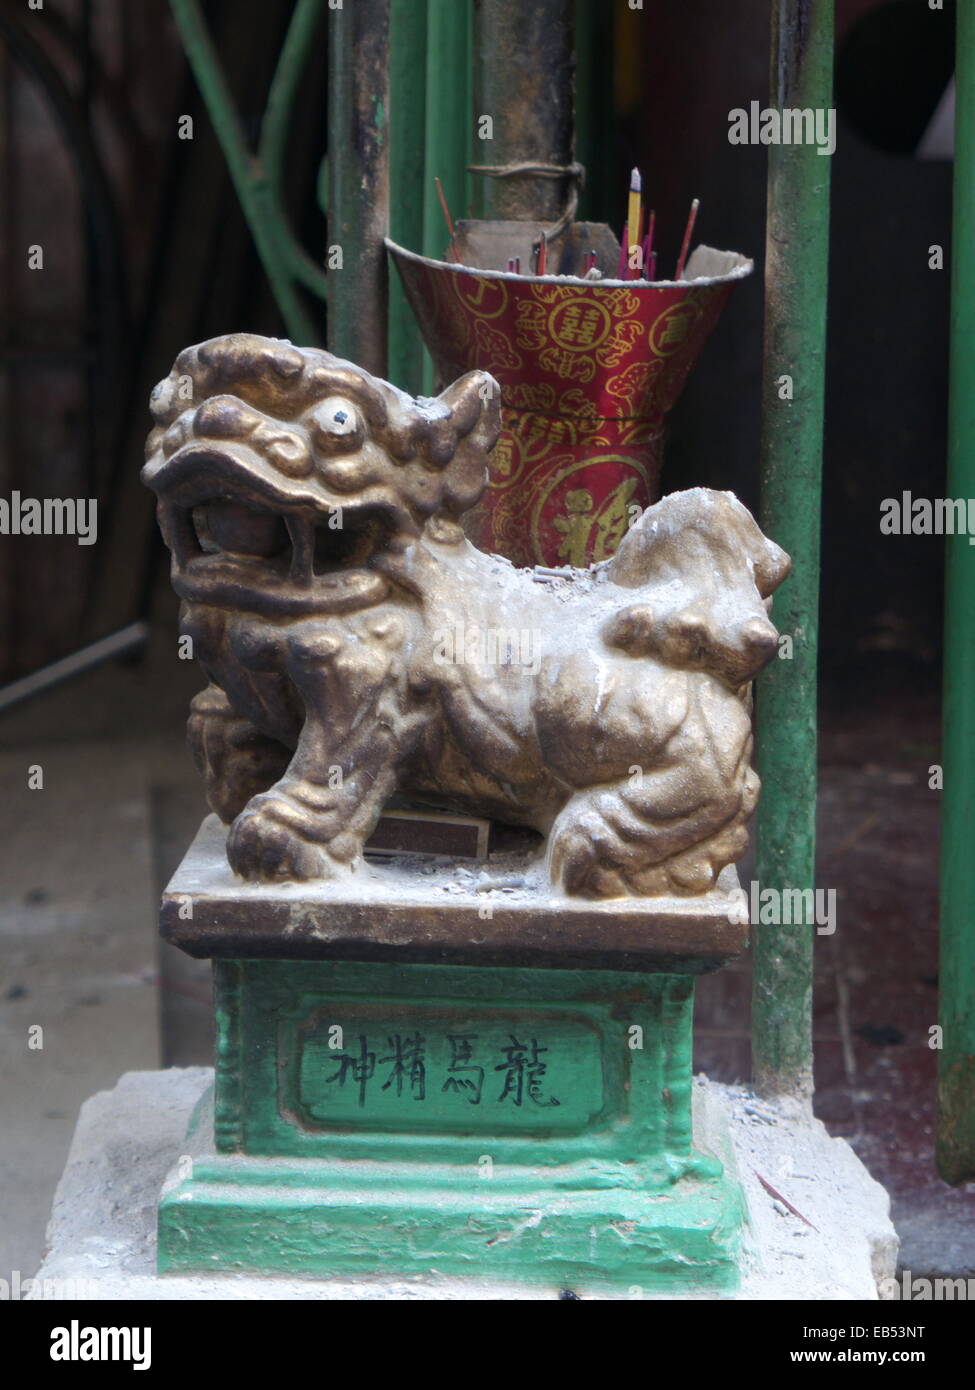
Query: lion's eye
x=336 y=416
x=335 y=425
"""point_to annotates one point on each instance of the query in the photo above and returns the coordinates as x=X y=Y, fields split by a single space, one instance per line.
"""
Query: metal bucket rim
x=738 y=272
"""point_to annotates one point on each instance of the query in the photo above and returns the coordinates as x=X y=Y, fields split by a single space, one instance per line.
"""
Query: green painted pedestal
x=404 y=1118
x=526 y=1124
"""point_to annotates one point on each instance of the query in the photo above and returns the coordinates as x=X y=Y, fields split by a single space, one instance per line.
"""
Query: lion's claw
x=261 y=846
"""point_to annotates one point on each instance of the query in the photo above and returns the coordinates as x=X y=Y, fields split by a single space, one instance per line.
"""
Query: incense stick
x=622 y=272
x=542 y=261
x=447 y=218
x=691 y=219
x=634 y=208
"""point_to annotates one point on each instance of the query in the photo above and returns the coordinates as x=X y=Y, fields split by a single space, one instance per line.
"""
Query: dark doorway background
x=164 y=258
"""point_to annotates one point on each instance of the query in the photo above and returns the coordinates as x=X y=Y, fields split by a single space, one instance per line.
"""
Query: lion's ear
x=774 y=566
x=474 y=402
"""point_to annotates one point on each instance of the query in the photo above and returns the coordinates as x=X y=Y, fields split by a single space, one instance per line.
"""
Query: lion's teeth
x=302 y=533
x=178 y=531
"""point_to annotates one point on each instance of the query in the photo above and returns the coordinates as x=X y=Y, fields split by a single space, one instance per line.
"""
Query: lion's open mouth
x=232 y=554
x=242 y=534
x=299 y=548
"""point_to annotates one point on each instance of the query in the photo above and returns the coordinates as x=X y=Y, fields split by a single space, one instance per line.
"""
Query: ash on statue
x=314 y=517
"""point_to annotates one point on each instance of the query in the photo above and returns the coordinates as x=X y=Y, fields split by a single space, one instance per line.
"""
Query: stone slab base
x=102 y=1235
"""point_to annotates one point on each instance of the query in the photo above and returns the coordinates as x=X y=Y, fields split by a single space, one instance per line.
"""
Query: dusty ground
x=876 y=977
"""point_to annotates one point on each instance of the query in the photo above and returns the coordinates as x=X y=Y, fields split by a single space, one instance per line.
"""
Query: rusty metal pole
x=797 y=251
x=524 y=72
x=358 y=181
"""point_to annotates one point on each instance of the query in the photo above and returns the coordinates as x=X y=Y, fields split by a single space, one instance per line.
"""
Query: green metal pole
x=797 y=247
x=407 y=171
x=276 y=124
x=447 y=127
x=448 y=118
x=956 y=1061
x=358 y=181
x=430 y=137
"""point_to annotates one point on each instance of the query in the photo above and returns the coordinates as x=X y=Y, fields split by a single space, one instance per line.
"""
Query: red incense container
x=588 y=370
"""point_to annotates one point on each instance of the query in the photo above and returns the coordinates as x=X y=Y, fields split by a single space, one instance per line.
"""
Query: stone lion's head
x=283 y=474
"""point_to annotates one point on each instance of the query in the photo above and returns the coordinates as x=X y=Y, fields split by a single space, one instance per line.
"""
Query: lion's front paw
x=261 y=845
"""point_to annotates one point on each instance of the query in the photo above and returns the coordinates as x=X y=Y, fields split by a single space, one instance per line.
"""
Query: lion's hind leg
x=236 y=761
x=591 y=845
x=629 y=840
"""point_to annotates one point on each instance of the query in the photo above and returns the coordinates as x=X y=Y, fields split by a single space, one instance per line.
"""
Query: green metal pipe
x=284 y=87
x=797 y=247
x=447 y=127
x=283 y=259
x=430 y=137
x=358 y=180
x=448 y=118
x=955 y=1136
x=407 y=174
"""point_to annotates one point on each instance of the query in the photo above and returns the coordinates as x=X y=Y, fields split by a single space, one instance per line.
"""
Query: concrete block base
x=102 y=1235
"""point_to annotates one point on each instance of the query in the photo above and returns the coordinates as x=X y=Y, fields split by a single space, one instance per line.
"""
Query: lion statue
x=358 y=646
